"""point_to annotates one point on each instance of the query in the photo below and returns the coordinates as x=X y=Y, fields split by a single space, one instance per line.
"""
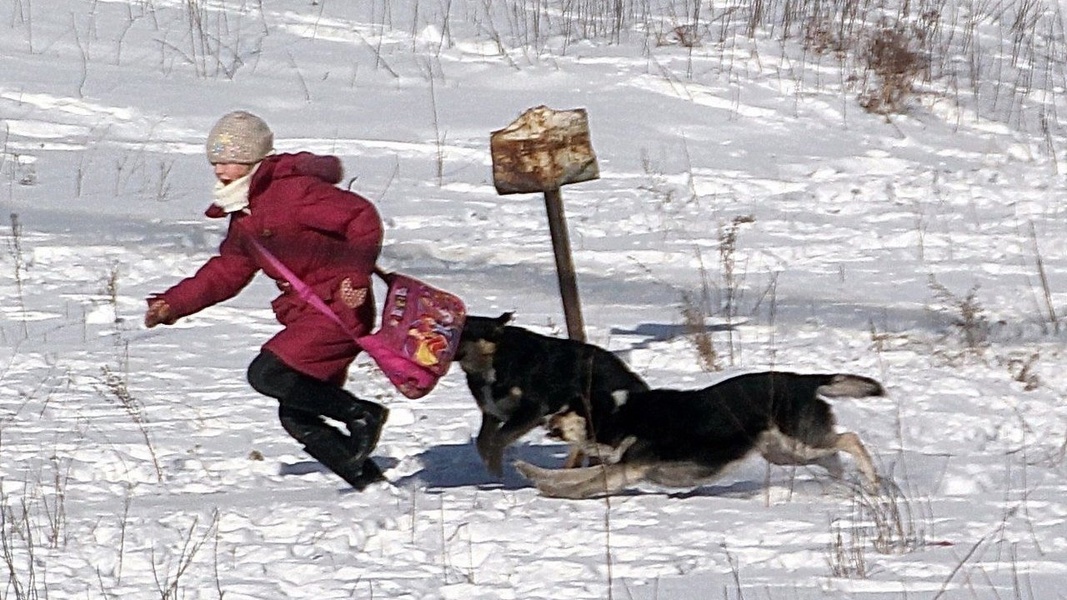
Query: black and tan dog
x=519 y=378
x=683 y=438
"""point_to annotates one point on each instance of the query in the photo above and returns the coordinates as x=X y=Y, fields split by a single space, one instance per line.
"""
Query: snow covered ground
x=740 y=176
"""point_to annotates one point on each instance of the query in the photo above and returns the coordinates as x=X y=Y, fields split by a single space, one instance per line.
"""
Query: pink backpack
x=418 y=336
x=419 y=333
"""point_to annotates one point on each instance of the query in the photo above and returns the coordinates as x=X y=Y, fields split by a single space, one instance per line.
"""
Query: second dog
x=682 y=438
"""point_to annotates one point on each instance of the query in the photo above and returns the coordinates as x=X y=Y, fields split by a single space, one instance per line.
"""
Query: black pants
x=304 y=401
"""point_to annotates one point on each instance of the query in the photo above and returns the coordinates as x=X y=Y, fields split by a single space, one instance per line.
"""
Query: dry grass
x=966 y=314
x=893 y=65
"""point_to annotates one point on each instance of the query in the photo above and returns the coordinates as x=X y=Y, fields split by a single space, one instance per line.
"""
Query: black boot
x=371 y=473
x=365 y=421
x=305 y=400
x=334 y=454
x=331 y=448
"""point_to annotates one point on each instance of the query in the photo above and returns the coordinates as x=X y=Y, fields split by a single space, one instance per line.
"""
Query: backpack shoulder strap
x=383 y=274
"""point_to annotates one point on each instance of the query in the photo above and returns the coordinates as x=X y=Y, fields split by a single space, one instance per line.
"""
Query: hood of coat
x=281 y=166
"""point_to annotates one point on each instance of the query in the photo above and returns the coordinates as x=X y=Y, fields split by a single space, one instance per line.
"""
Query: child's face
x=229 y=172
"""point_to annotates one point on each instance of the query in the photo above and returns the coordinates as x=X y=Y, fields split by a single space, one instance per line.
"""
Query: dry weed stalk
x=162 y=183
x=732 y=282
x=697 y=307
x=18 y=550
x=114 y=386
x=890 y=56
x=35 y=519
x=894 y=522
x=884 y=519
x=169 y=584
x=55 y=511
x=968 y=316
x=1046 y=289
x=696 y=328
x=15 y=247
x=111 y=290
x=1022 y=370
x=847 y=558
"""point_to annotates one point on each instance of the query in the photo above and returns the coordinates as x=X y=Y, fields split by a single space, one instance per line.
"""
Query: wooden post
x=540 y=152
x=568 y=282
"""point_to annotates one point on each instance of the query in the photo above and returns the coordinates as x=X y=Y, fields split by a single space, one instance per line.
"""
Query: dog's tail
x=844 y=385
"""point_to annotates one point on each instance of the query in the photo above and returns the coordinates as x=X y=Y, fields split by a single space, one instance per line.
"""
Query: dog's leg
x=850 y=442
x=489 y=445
x=488 y=405
x=492 y=442
x=585 y=482
x=575 y=458
x=832 y=463
x=780 y=449
x=602 y=453
x=606 y=454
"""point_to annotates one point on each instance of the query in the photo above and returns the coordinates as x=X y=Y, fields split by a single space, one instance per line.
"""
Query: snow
x=138 y=463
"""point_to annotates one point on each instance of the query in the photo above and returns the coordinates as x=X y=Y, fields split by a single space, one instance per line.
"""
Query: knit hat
x=239 y=137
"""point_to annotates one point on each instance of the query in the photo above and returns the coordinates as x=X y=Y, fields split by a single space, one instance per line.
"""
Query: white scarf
x=233 y=196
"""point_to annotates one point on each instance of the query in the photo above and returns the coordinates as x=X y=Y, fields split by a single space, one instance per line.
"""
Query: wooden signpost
x=542 y=151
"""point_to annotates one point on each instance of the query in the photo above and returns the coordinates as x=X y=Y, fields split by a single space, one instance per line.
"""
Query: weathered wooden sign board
x=542 y=151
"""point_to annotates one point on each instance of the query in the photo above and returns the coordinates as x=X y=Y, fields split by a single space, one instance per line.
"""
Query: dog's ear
x=483 y=328
x=504 y=319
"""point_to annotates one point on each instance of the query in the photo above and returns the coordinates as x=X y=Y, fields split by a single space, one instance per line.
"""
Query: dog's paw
x=494 y=462
x=528 y=471
x=492 y=456
x=880 y=486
